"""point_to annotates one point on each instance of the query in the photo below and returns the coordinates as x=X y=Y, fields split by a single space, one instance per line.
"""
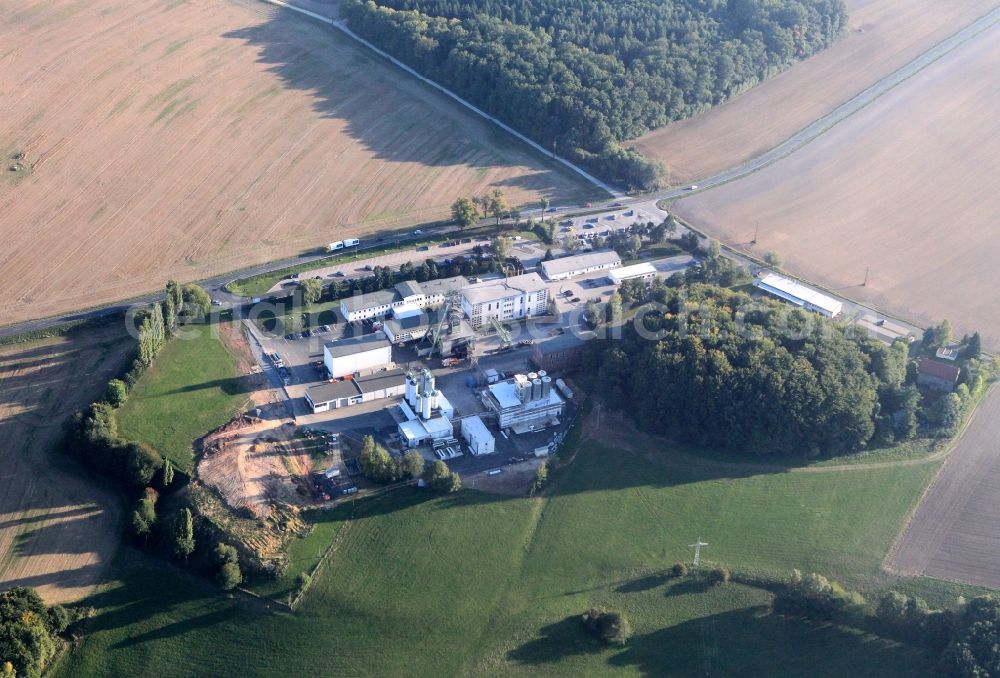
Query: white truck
x=334 y=246
x=351 y=242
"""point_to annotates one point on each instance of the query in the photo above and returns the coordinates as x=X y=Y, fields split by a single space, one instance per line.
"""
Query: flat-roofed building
x=800 y=295
x=524 y=403
x=644 y=271
x=520 y=296
x=339 y=393
x=480 y=440
x=578 y=264
x=357 y=355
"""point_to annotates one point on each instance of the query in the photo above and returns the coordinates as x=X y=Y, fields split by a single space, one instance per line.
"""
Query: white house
x=569 y=267
x=521 y=296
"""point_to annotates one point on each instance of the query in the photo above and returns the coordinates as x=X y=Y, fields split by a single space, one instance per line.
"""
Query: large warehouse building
x=643 y=271
x=520 y=296
x=569 y=267
x=800 y=295
x=357 y=355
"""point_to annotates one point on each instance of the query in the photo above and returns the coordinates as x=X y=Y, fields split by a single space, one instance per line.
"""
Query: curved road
x=215 y=285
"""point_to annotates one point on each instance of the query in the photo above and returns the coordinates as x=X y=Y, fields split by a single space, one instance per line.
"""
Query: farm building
x=524 y=403
x=404 y=295
x=356 y=355
x=480 y=440
x=561 y=352
x=937 y=375
x=643 y=271
x=521 y=296
x=800 y=295
x=346 y=392
x=572 y=266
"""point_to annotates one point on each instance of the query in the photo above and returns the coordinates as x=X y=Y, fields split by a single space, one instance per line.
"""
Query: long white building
x=800 y=295
x=403 y=295
x=569 y=267
x=521 y=296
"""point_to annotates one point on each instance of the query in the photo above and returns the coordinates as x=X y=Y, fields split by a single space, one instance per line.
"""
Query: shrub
x=611 y=627
x=116 y=393
x=679 y=570
x=719 y=576
x=441 y=479
x=772 y=258
x=229 y=576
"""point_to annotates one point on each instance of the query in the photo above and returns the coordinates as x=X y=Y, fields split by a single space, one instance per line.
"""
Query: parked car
x=216 y=302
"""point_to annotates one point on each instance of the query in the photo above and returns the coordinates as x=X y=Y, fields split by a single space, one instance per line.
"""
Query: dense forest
x=715 y=368
x=581 y=77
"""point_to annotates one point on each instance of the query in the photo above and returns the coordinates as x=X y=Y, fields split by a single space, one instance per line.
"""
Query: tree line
x=580 y=78
x=713 y=367
x=142 y=473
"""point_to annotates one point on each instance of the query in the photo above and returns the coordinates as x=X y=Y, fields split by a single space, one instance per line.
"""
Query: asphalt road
x=215 y=286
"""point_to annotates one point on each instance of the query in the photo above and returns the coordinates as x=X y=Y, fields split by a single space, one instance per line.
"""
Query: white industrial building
x=642 y=271
x=800 y=295
x=403 y=295
x=346 y=392
x=572 y=266
x=480 y=440
x=428 y=413
x=524 y=403
x=356 y=355
x=521 y=296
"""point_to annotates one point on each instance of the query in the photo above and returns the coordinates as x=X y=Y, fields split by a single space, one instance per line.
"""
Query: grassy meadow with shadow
x=191 y=388
x=478 y=584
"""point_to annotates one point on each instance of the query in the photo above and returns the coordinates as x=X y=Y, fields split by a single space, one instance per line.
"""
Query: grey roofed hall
x=360 y=302
x=333 y=390
x=380 y=380
x=579 y=262
x=365 y=342
x=408 y=288
x=442 y=285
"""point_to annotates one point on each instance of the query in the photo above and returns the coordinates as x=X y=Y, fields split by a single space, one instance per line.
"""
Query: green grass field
x=191 y=388
x=475 y=584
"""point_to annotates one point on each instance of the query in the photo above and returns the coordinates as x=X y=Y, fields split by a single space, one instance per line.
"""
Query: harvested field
x=884 y=35
x=182 y=139
x=58 y=531
x=907 y=186
x=953 y=533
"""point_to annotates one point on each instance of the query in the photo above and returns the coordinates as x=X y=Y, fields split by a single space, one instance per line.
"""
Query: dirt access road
x=178 y=139
x=58 y=531
x=907 y=186
x=884 y=36
x=954 y=532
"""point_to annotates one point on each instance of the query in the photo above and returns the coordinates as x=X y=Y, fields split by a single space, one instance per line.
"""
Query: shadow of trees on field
x=388 y=112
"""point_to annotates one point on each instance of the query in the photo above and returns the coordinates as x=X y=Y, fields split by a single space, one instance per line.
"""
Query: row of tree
x=379 y=466
x=967 y=639
x=580 y=78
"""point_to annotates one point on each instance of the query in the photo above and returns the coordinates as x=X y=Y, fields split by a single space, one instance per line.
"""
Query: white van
x=334 y=246
x=352 y=242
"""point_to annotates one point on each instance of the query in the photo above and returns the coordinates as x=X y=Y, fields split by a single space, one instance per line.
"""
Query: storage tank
x=532 y=376
x=546 y=387
x=425 y=406
x=411 y=389
x=536 y=389
x=542 y=374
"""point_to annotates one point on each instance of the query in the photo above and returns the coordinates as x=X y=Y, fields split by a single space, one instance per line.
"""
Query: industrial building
x=572 y=266
x=800 y=295
x=357 y=355
x=524 y=403
x=644 y=271
x=561 y=352
x=346 y=392
x=428 y=413
x=479 y=438
x=403 y=295
x=406 y=325
x=521 y=296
